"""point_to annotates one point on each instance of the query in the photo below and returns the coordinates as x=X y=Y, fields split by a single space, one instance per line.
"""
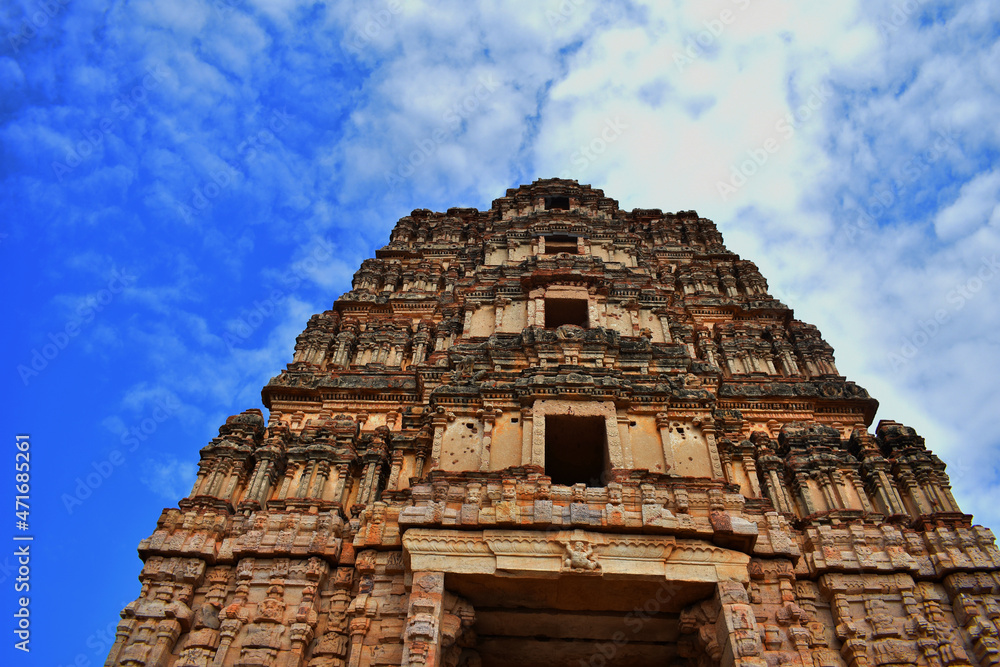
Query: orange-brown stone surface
x=559 y=433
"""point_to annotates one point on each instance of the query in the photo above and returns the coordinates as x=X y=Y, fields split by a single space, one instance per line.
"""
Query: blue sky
x=185 y=183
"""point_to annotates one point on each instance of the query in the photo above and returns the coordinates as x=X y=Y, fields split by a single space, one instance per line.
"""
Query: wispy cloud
x=169 y=478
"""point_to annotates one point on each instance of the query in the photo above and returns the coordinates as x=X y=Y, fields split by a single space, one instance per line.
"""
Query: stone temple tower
x=559 y=433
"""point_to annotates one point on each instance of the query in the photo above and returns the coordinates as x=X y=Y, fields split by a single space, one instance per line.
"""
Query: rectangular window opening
x=565 y=311
x=557 y=203
x=558 y=243
x=576 y=450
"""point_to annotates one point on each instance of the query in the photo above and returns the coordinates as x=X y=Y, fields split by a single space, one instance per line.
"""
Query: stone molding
x=533 y=554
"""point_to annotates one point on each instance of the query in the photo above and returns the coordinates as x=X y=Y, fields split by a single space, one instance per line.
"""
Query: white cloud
x=978 y=204
x=168 y=478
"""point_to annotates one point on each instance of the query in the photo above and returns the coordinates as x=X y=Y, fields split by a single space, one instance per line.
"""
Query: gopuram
x=559 y=433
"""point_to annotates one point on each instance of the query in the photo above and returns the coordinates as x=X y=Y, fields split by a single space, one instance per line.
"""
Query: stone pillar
x=122 y=633
x=395 y=466
x=303 y=488
x=663 y=423
x=737 y=631
x=235 y=482
x=420 y=341
x=538 y=442
x=319 y=483
x=359 y=628
x=805 y=495
x=912 y=488
x=440 y=421
x=286 y=481
x=498 y=312
x=827 y=486
x=888 y=493
x=665 y=325
x=223 y=471
x=206 y=472
x=261 y=483
x=713 y=451
x=422 y=634
x=340 y=487
x=777 y=492
x=527 y=429
x=467 y=323
x=859 y=488
x=625 y=439
x=750 y=467
x=944 y=491
x=489 y=418
x=342 y=356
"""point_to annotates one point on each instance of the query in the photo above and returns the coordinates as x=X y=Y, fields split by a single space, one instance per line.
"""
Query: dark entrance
x=565 y=311
x=576 y=450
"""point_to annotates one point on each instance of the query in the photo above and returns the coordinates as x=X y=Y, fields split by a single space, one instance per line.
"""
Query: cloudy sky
x=184 y=183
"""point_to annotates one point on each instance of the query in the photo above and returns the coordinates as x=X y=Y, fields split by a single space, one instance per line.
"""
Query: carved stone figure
x=580 y=556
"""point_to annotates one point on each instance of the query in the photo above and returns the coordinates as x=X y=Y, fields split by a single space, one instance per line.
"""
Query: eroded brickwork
x=559 y=433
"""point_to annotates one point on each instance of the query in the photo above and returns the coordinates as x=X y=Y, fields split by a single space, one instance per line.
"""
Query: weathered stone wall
x=397 y=507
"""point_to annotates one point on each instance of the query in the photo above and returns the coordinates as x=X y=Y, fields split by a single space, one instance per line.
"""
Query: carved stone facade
x=559 y=433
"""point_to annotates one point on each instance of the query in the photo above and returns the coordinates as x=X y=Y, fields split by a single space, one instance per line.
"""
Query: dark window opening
x=557 y=203
x=560 y=243
x=576 y=450
x=565 y=311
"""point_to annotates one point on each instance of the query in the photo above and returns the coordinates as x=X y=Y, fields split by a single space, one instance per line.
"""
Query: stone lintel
x=552 y=554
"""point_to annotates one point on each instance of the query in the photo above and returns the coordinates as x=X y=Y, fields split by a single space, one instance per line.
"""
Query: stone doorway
x=576 y=598
x=576 y=620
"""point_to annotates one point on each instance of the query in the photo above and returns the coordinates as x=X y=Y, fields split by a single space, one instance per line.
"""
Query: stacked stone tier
x=558 y=432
